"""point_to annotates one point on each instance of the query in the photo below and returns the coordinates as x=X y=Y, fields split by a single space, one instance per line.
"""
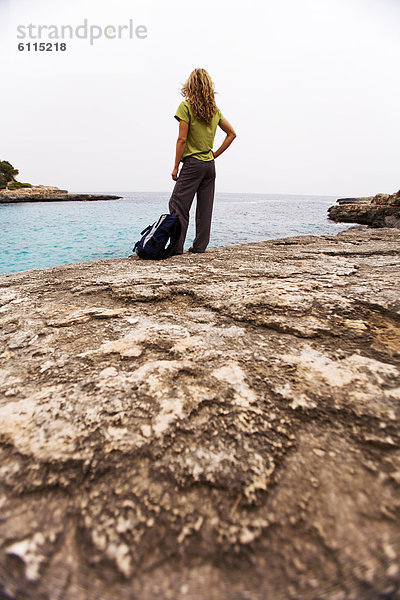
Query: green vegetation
x=16 y=185
x=7 y=177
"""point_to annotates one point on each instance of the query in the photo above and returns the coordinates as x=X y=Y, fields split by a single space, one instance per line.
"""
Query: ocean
x=44 y=234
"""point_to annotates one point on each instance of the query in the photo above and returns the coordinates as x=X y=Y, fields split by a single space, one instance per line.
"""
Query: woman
x=198 y=118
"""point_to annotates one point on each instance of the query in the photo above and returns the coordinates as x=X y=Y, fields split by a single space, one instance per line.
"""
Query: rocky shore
x=42 y=193
x=213 y=426
x=382 y=210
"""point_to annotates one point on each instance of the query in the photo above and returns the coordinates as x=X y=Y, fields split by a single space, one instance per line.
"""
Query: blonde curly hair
x=199 y=92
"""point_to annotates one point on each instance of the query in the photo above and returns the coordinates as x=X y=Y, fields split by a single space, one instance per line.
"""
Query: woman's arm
x=230 y=136
x=180 y=147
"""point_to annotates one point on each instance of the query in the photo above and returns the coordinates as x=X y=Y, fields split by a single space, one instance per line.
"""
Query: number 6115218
x=42 y=47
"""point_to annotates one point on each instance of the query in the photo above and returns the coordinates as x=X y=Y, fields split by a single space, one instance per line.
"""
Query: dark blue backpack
x=153 y=245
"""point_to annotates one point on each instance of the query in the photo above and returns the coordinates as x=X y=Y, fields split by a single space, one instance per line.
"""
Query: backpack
x=153 y=244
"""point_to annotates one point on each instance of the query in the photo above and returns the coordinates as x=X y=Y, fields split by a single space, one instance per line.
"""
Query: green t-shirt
x=201 y=136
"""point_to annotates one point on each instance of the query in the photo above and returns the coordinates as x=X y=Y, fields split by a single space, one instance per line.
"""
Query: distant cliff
x=12 y=190
x=43 y=193
x=382 y=210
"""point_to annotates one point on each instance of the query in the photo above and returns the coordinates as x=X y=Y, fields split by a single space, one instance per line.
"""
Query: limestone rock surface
x=382 y=210
x=216 y=426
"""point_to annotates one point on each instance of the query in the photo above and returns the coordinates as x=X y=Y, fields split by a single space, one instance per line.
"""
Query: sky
x=312 y=89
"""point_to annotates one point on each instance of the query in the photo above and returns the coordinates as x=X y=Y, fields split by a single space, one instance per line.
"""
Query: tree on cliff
x=7 y=177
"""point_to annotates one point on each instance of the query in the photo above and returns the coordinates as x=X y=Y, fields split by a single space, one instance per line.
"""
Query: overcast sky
x=312 y=88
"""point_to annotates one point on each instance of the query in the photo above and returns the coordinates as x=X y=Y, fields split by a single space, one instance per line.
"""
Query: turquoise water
x=44 y=234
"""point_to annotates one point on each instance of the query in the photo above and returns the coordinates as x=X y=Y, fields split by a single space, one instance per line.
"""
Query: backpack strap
x=145 y=230
x=175 y=235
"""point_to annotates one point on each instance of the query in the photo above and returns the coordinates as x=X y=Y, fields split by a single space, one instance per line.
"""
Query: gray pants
x=195 y=176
